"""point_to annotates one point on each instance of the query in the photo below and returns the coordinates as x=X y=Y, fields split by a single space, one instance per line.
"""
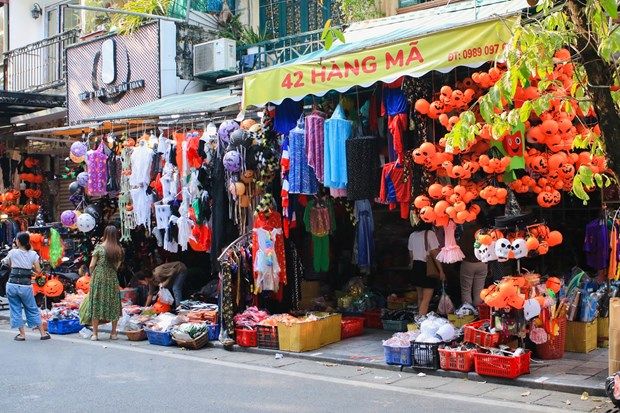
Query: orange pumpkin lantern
x=53 y=288
x=83 y=284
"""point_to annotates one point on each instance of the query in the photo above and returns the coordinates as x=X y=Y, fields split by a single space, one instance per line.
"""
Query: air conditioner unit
x=215 y=58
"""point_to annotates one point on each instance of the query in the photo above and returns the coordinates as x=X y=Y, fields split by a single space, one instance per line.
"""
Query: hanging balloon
x=232 y=161
x=78 y=149
x=82 y=179
x=74 y=187
x=237 y=137
x=226 y=128
x=86 y=222
x=68 y=218
x=247 y=123
x=94 y=211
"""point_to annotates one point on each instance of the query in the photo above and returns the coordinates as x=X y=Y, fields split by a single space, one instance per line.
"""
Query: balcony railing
x=276 y=51
x=38 y=66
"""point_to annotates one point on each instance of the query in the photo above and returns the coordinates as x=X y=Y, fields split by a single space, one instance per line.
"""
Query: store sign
x=112 y=74
x=103 y=85
x=465 y=46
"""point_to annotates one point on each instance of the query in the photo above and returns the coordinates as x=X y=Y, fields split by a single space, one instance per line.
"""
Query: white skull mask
x=503 y=248
x=485 y=253
x=519 y=247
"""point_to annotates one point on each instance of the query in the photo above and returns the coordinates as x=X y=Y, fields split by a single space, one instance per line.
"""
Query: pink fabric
x=315 y=141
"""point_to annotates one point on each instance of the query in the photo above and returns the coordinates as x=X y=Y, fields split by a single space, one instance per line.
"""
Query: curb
x=523 y=381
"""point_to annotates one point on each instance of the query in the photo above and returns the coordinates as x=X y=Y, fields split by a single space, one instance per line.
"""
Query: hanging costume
x=394 y=190
x=319 y=220
x=596 y=244
x=337 y=130
x=363 y=170
x=141 y=159
x=301 y=177
x=364 y=234
x=315 y=142
x=268 y=252
x=96 y=163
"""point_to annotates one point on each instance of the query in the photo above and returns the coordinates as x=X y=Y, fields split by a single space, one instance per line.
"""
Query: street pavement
x=71 y=374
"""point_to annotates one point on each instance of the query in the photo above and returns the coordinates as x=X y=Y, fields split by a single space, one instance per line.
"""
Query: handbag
x=432 y=266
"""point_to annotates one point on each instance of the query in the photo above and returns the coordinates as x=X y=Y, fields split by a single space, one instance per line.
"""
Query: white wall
x=23 y=29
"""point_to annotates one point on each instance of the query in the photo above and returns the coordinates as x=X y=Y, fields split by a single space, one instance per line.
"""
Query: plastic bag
x=122 y=322
x=86 y=333
x=165 y=296
x=445 y=306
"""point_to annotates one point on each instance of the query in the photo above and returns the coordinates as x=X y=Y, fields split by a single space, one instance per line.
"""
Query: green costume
x=319 y=220
x=103 y=301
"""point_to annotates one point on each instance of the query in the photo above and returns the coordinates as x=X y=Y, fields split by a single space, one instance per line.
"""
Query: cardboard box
x=602 y=329
x=310 y=335
x=581 y=337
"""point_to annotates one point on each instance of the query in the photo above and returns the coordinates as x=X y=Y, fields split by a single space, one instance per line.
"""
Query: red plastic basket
x=456 y=360
x=246 y=337
x=351 y=327
x=502 y=366
x=554 y=347
x=474 y=335
x=373 y=319
x=484 y=312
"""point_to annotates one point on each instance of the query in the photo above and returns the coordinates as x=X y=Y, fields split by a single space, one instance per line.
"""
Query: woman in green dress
x=103 y=302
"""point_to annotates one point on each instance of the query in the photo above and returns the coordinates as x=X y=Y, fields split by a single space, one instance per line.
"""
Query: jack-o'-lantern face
x=513 y=144
x=457 y=98
x=539 y=164
x=418 y=157
x=445 y=92
x=53 y=288
x=567 y=171
x=83 y=284
x=564 y=127
x=549 y=128
x=535 y=135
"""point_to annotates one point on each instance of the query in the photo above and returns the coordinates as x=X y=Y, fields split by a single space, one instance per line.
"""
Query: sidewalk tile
x=473 y=388
x=517 y=394
x=559 y=400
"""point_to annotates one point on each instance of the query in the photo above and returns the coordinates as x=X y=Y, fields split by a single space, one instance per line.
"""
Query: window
x=279 y=18
x=72 y=18
x=4 y=30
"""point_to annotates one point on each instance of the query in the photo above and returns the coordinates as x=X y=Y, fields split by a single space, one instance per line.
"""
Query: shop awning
x=211 y=101
x=467 y=33
x=74 y=130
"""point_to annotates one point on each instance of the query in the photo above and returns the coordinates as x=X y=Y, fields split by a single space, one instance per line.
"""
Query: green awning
x=211 y=101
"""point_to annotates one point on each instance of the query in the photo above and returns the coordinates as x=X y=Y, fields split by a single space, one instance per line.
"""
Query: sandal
x=46 y=336
x=94 y=338
x=19 y=337
x=114 y=336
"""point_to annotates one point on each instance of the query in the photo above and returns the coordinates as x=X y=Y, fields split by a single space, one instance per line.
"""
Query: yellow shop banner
x=465 y=46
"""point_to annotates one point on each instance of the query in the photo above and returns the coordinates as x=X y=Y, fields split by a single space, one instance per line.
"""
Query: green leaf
x=579 y=191
x=610 y=7
x=326 y=28
x=599 y=180
x=486 y=110
x=339 y=35
x=525 y=111
x=329 y=40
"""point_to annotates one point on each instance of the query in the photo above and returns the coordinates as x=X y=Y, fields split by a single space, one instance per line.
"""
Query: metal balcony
x=38 y=66
x=272 y=52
